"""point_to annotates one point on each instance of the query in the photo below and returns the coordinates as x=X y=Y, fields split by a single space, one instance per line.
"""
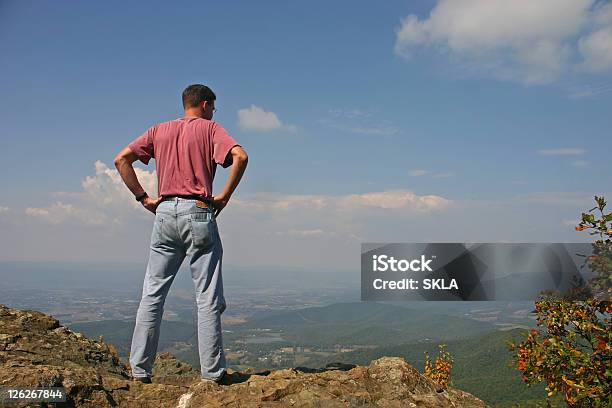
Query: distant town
x=110 y=313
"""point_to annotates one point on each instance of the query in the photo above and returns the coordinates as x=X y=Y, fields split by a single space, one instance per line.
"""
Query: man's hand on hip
x=239 y=161
x=151 y=204
x=219 y=203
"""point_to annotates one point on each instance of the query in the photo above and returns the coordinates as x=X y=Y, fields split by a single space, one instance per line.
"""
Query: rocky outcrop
x=36 y=351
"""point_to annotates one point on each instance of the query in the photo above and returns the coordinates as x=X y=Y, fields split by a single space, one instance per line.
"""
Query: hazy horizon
x=383 y=125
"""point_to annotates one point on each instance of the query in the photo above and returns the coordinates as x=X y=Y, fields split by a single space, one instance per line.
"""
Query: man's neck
x=192 y=114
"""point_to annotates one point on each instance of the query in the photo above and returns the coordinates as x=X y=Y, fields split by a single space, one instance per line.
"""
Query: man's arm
x=123 y=163
x=239 y=163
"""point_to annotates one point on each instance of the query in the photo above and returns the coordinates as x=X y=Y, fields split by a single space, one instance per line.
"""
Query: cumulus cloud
x=397 y=199
x=562 y=152
x=101 y=223
x=529 y=41
x=107 y=188
x=104 y=199
x=597 y=50
x=60 y=212
x=319 y=231
x=393 y=199
x=106 y=204
x=257 y=119
x=103 y=220
x=290 y=228
x=294 y=227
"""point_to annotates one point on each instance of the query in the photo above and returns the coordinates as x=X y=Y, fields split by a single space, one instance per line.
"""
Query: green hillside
x=480 y=366
x=366 y=323
x=479 y=350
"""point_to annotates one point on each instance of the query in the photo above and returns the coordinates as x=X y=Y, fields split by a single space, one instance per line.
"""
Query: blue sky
x=363 y=100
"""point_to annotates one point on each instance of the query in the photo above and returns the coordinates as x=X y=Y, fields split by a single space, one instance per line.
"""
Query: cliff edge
x=36 y=351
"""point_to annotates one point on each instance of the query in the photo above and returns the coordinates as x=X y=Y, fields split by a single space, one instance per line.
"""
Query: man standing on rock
x=186 y=151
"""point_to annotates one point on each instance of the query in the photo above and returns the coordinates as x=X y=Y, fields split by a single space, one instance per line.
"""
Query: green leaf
x=590 y=218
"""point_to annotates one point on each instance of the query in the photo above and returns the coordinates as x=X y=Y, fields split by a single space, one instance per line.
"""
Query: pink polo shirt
x=186 y=153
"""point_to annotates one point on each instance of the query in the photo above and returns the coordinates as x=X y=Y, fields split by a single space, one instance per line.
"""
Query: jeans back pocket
x=202 y=229
x=156 y=234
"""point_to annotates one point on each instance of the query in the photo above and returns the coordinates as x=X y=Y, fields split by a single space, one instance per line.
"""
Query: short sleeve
x=222 y=144
x=142 y=146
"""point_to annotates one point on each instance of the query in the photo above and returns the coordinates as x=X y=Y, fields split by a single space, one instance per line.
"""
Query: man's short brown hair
x=195 y=94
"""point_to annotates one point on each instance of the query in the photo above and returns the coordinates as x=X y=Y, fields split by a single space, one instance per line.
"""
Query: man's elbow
x=244 y=157
x=125 y=156
x=119 y=159
x=240 y=156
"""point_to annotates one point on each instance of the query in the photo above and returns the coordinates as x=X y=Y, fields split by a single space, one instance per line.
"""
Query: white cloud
x=596 y=48
x=257 y=119
x=358 y=121
x=523 y=40
x=105 y=205
x=60 y=212
x=380 y=130
x=289 y=228
x=417 y=172
x=562 y=152
x=397 y=199
x=37 y=212
x=349 y=113
x=260 y=228
x=376 y=129
x=319 y=231
x=322 y=232
x=581 y=91
x=347 y=204
x=580 y=163
x=602 y=13
x=421 y=172
x=107 y=188
x=104 y=200
x=303 y=233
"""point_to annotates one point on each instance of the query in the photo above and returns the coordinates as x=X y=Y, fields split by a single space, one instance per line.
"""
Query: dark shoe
x=144 y=380
x=221 y=380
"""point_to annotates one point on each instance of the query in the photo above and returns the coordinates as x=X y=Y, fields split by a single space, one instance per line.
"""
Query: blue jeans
x=182 y=229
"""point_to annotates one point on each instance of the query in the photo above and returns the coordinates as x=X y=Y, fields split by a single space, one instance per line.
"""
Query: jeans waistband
x=199 y=202
x=186 y=198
